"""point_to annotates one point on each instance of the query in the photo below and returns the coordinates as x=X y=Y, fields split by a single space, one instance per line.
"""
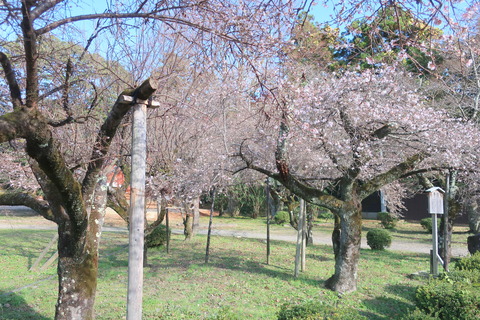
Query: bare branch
x=12 y=126
x=43 y=7
x=66 y=91
x=297 y=187
x=391 y=175
x=109 y=128
x=20 y=198
x=12 y=81
x=57 y=89
x=112 y=15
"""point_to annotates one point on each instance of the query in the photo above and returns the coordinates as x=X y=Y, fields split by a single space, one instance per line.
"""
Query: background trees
x=228 y=85
x=41 y=90
x=337 y=138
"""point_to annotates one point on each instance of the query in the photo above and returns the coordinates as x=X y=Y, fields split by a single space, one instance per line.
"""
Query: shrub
x=282 y=217
x=388 y=220
x=466 y=276
x=313 y=310
x=158 y=236
x=418 y=314
x=426 y=223
x=379 y=239
x=471 y=263
x=324 y=213
x=448 y=301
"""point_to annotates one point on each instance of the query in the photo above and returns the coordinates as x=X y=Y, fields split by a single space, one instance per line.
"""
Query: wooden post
x=267 y=188
x=435 y=245
x=435 y=206
x=137 y=198
x=304 y=233
x=167 y=224
x=446 y=258
x=44 y=252
x=137 y=207
x=298 y=254
x=207 y=250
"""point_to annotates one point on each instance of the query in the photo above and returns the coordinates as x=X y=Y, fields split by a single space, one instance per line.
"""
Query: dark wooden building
x=416 y=208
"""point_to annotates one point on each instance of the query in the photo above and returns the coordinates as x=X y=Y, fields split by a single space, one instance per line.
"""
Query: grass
x=181 y=286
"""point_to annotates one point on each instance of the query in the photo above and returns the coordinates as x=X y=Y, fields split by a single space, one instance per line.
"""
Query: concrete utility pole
x=137 y=197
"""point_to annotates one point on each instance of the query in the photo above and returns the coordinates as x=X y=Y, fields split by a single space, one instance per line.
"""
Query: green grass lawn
x=180 y=285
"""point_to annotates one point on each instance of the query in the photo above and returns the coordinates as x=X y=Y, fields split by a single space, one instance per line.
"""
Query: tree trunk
x=78 y=261
x=336 y=234
x=188 y=221
x=453 y=211
x=77 y=278
x=473 y=216
x=196 y=214
x=346 y=248
x=212 y=208
x=309 y=233
x=256 y=210
x=232 y=206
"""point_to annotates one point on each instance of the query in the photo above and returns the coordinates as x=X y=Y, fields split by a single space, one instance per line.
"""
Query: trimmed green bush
x=426 y=223
x=282 y=217
x=379 y=239
x=418 y=314
x=158 y=236
x=449 y=300
x=315 y=310
x=388 y=220
x=471 y=263
x=466 y=276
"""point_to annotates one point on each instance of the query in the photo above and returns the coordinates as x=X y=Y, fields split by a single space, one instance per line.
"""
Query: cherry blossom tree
x=75 y=199
x=333 y=139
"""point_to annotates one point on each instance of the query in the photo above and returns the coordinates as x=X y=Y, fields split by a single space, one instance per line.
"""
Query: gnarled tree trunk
x=77 y=279
x=78 y=261
x=346 y=243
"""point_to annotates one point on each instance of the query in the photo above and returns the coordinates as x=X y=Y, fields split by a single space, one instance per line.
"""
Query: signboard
x=435 y=200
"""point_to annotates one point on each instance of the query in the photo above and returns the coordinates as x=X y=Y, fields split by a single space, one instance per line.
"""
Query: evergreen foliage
x=379 y=239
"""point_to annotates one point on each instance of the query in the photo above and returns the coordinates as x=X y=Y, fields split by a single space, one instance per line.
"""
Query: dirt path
x=24 y=218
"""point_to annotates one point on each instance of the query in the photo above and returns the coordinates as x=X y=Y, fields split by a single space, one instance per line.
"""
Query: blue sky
x=321 y=12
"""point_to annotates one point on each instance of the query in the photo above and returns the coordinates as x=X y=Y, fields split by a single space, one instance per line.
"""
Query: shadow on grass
x=392 y=307
x=250 y=266
x=381 y=254
x=185 y=255
x=14 y=307
x=31 y=249
x=317 y=257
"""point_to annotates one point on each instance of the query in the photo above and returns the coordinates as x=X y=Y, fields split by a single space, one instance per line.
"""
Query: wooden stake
x=298 y=254
x=44 y=252
x=304 y=233
x=137 y=207
x=167 y=224
x=207 y=251
x=268 y=219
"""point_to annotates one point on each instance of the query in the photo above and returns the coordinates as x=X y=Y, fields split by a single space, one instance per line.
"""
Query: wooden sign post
x=137 y=197
x=435 y=207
